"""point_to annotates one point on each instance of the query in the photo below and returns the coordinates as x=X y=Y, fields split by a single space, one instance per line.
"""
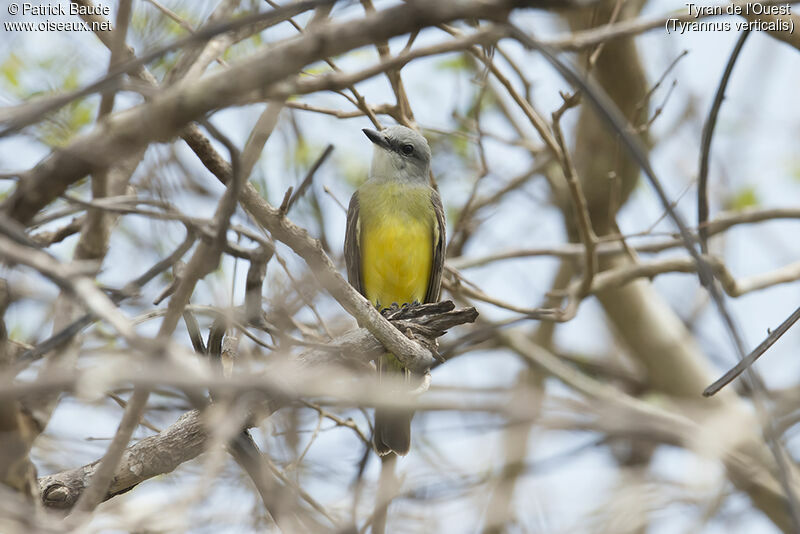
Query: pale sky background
x=755 y=146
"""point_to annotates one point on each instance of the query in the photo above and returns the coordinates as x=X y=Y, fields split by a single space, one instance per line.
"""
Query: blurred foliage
x=10 y=71
x=351 y=169
x=454 y=62
x=303 y=155
x=65 y=123
x=259 y=181
x=745 y=197
x=25 y=78
x=794 y=170
x=450 y=103
x=315 y=69
x=151 y=29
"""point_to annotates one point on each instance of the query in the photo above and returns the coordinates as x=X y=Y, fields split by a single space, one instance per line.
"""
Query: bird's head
x=400 y=154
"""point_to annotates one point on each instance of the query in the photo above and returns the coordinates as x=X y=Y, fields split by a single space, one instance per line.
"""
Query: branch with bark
x=188 y=437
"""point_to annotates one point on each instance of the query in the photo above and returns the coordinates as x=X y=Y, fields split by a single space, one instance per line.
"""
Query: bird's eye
x=407 y=150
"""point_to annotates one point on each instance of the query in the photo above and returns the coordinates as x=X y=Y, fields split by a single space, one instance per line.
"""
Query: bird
x=394 y=251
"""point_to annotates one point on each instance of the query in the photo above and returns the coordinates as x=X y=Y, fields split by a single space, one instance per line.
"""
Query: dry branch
x=171 y=110
x=183 y=440
x=187 y=437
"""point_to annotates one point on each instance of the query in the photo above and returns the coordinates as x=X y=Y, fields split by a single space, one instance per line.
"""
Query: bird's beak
x=376 y=137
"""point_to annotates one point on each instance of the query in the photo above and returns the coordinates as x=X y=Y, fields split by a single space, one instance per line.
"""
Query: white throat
x=390 y=166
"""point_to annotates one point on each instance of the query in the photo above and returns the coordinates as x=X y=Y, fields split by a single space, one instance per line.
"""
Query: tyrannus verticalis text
x=394 y=248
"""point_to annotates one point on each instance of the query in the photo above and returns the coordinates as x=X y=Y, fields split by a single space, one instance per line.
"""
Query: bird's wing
x=352 y=244
x=439 y=235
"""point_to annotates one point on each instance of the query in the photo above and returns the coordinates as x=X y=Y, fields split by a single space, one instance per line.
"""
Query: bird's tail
x=392 y=425
x=392 y=431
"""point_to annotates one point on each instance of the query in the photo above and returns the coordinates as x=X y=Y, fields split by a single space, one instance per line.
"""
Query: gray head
x=400 y=154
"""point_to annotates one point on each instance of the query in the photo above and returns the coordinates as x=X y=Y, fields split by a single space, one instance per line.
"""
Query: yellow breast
x=396 y=245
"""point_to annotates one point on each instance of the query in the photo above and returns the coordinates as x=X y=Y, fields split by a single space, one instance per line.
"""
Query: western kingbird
x=394 y=248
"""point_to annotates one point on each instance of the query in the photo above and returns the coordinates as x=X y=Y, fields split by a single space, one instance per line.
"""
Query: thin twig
x=26 y=114
x=609 y=113
x=307 y=180
x=705 y=144
x=748 y=360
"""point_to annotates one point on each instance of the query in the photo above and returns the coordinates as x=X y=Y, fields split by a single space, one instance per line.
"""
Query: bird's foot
x=386 y=312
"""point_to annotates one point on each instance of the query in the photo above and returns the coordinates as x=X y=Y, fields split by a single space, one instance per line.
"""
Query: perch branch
x=187 y=438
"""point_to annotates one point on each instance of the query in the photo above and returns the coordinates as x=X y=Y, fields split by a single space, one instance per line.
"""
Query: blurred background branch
x=176 y=161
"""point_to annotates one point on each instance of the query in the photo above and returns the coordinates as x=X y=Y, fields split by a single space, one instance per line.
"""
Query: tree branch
x=168 y=112
x=187 y=438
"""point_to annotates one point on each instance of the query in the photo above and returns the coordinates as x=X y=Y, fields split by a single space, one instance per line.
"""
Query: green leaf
x=457 y=62
x=10 y=69
x=744 y=198
x=317 y=69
